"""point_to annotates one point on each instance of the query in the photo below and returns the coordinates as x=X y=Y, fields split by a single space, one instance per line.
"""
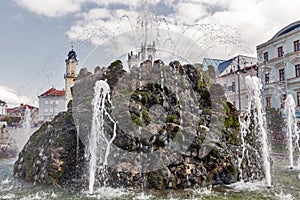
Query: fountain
x=197 y=144
x=21 y=135
x=254 y=86
x=99 y=143
x=292 y=128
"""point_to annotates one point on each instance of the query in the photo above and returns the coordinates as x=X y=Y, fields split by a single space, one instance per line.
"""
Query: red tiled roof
x=53 y=92
x=19 y=108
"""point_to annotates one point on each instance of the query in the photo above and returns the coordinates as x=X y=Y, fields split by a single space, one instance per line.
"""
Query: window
x=280 y=51
x=46 y=102
x=46 y=110
x=268 y=102
x=233 y=86
x=298 y=98
x=56 y=102
x=296 y=45
x=267 y=78
x=266 y=56
x=51 y=102
x=281 y=74
x=297 y=70
x=283 y=98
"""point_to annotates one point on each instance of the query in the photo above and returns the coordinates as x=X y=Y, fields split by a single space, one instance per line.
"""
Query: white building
x=51 y=103
x=3 y=108
x=279 y=66
x=147 y=52
x=232 y=75
x=54 y=101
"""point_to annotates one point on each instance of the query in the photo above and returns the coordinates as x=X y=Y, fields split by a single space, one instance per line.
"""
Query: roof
x=211 y=61
x=72 y=55
x=52 y=92
x=222 y=66
x=251 y=67
x=239 y=59
x=2 y=102
x=287 y=29
x=21 y=107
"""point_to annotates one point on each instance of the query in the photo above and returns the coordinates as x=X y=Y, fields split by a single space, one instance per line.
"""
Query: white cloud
x=252 y=22
x=12 y=99
x=51 y=8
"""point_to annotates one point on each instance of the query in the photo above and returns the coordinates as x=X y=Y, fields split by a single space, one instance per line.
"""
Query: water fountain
x=254 y=86
x=99 y=143
x=100 y=140
x=292 y=128
x=22 y=134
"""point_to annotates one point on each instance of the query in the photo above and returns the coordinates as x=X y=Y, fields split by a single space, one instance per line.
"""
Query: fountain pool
x=286 y=185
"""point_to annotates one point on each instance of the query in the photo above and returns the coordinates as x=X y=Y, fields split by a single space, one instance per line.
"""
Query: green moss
x=232 y=170
x=171 y=118
x=117 y=63
x=136 y=120
x=145 y=116
x=200 y=83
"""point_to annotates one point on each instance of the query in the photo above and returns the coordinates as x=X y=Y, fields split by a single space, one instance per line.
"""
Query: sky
x=36 y=35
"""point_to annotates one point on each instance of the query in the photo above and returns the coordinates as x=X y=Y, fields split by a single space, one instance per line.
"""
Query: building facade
x=3 y=108
x=279 y=66
x=232 y=75
x=147 y=52
x=51 y=103
x=18 y=114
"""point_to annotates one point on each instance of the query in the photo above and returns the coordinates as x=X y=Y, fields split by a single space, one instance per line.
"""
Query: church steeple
x=71 y=73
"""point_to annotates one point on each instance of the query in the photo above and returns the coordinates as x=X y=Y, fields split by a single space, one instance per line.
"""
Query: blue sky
x=36 y=35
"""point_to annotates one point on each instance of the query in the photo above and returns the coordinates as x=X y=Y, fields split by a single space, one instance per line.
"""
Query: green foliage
x=275 y=125
x=11 y=120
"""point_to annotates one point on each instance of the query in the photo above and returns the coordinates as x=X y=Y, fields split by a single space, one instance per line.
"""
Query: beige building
x=279 y=66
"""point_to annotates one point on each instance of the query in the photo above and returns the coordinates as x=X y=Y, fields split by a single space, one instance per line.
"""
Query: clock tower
x=71 y=74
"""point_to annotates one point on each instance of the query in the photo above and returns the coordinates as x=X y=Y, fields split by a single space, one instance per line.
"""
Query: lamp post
x=239 y=91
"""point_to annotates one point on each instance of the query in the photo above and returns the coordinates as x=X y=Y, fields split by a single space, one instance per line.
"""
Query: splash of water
x=292 y=130
x=244 y=129
x=254 y=86
x=99 y=143
x=22 y=135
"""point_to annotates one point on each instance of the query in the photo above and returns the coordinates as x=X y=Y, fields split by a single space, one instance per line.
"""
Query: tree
x=275 y=124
